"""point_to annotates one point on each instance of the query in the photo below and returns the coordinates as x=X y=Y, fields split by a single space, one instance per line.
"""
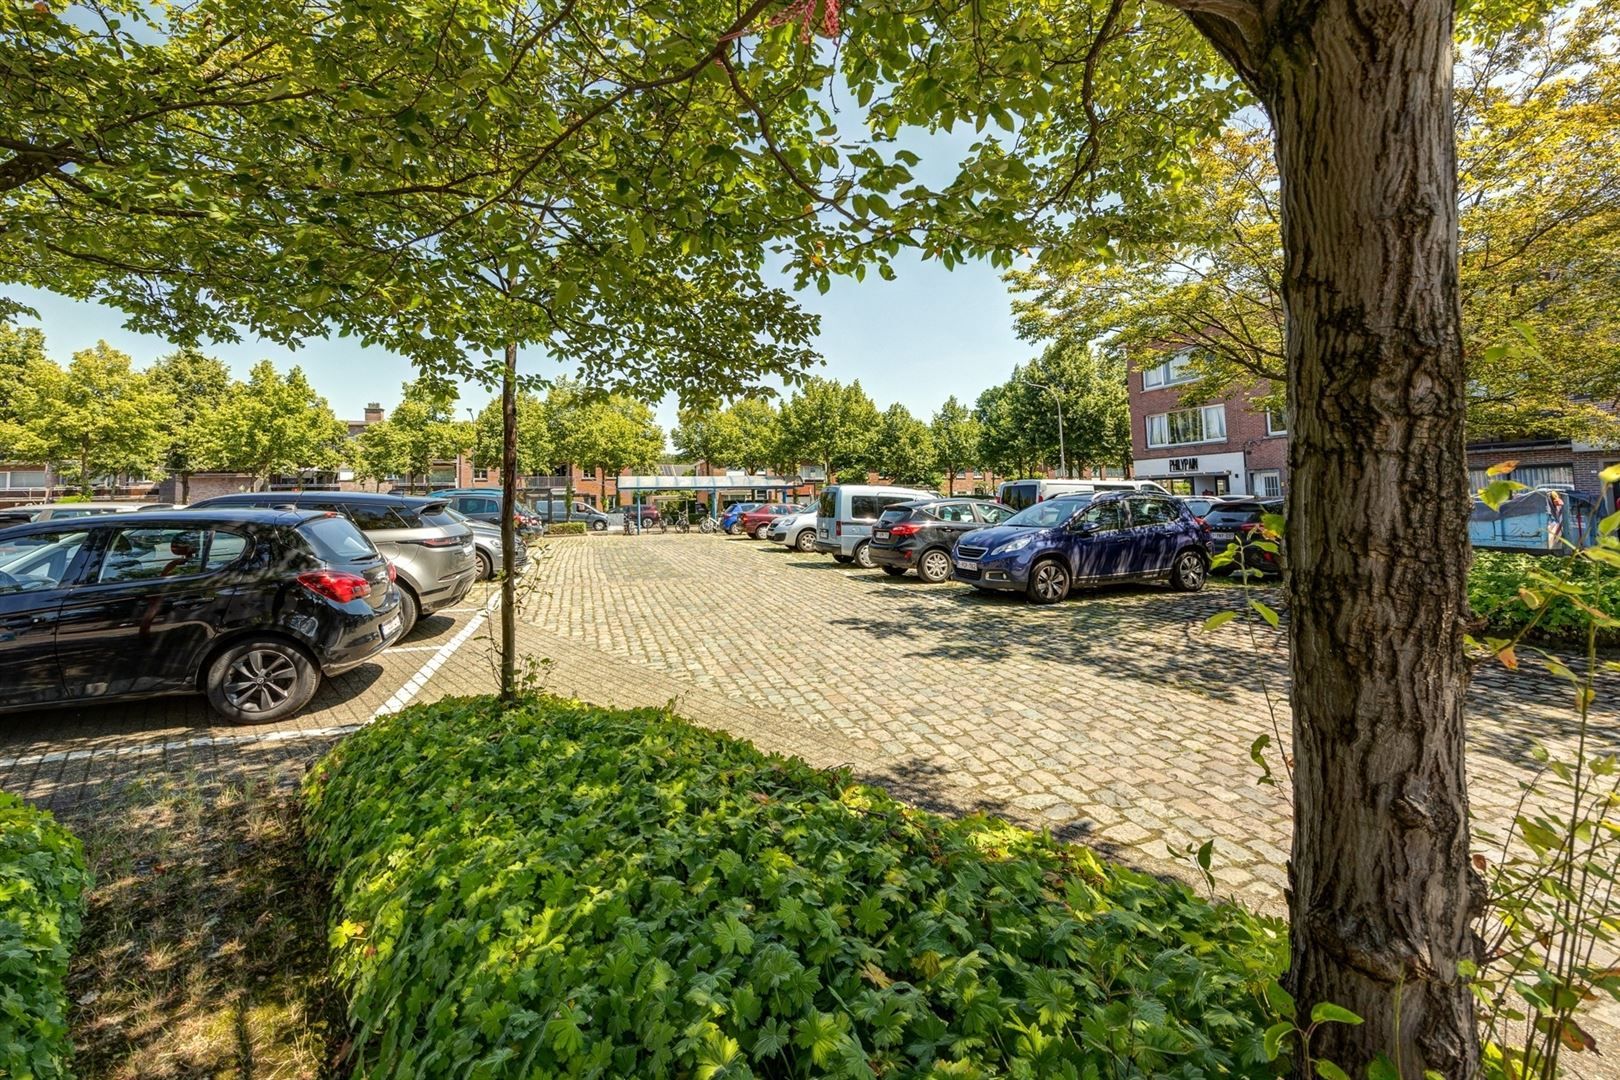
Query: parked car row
x=1076 y=535
x=250 y=599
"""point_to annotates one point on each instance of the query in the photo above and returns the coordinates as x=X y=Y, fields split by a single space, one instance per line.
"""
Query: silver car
x=62 y=511
x=797 y=531
x=434 y=557
x=487 y=546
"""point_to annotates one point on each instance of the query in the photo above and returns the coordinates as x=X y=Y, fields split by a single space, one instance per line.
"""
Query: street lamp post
x=1063 y=458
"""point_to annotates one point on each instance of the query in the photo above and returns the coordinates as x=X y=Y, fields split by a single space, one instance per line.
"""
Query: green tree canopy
x=616 y=433
x=423 y=427
x=98 y=417
x=904 y=449
x=956 y=434
x=830 y=424
x=19 y=346
x=536 y=446
x=194 y=383
x=271 y=424
x=707 y=434
x=1540 y=260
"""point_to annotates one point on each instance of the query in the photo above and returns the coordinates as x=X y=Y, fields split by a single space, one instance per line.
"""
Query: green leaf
x=1500 y=491
x=1266 y=613
x=1325 y=1012
x=1329 y=1071
x=1219 y=619
x=1275 y=1034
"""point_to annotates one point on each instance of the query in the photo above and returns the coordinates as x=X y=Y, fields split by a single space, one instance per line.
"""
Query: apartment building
x=1230 y=447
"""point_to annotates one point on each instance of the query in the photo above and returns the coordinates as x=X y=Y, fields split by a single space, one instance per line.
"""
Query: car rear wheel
x=895 y=571
x=806 y=540
x=409 y=612
x=934 y=567
x=763 y=532
x=863 y=555
x=486 y=566
x=733 y=529
x=257 y=682
x=1188 y=572
x=1048 y=582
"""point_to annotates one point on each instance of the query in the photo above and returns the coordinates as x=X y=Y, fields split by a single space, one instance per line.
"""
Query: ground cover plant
x=555 y=889
x=1497 y=589
x=42 y=885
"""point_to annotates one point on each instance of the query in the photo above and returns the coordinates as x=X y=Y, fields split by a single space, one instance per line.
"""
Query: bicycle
x=677 y=519
x=710 y=524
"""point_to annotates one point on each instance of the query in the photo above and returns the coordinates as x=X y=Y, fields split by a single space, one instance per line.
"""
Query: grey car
x=487 y=546
x=434 y=556
x=556 y=510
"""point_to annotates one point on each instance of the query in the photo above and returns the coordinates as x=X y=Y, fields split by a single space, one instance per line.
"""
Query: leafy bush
x=42 y=886
x=566 y=528
x=1497 y=578
x=556 y=889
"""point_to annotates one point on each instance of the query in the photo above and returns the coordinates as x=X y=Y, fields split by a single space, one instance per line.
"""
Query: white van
x=845 y=515
x=1021 y=494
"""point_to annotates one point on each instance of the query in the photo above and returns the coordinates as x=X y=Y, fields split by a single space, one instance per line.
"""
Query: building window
x=1267 y=483
x=1177 y=369
x=1276 y=423
x=1531 y=476
x=22 y=478
x=1185 y=426
x=480 y=474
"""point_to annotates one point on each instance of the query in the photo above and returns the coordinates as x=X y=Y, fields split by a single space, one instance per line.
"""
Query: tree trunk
x=185 y=486
x=509 y=456
x=1381 y=898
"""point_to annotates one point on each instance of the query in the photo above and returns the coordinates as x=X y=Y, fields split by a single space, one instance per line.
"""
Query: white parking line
x=413 y=686
x=401 y=697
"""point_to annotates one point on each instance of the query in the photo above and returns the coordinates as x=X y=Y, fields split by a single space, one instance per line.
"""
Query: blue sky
x=917 y=340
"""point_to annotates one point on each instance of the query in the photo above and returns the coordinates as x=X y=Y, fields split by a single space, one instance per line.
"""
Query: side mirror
x=1083 y=528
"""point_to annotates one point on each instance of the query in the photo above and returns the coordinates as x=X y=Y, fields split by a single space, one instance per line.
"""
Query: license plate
x=966 y=564
x=389 y=627
x=881 y=534
x=1221 y=536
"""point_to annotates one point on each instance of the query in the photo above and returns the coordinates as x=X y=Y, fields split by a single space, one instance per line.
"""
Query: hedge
x=566 y=528
x=42 y=891
x=561 y=890
x=1493 y=593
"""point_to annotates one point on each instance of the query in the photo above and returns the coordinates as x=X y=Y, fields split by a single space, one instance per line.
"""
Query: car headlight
x=1011 y=546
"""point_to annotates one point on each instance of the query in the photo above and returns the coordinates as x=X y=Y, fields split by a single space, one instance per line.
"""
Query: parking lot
x=1111 y=718
x=70 y=759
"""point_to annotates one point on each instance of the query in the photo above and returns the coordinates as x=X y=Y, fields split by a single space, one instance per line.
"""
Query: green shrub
x=42 y=886
x=1497 y=576
x=557 y=889
x=566 y=528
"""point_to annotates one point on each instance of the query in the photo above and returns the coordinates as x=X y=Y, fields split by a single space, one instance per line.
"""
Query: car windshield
x=1049 y=514
x=1235 y=513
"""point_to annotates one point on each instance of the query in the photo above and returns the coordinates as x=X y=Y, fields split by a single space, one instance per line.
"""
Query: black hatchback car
x=250 y=607
x=1239 y=520
x=922 y=535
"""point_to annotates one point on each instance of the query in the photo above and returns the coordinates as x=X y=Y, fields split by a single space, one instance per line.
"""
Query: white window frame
x=1259 y=476
x=1271 y=425
x=1172 y=372
x=1211 y=418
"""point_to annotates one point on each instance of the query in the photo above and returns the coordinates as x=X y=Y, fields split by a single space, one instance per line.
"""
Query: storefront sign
x=1183 y=464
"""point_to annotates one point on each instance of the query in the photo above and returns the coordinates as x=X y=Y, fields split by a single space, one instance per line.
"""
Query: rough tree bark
x=1381 y=896
x=509 y=468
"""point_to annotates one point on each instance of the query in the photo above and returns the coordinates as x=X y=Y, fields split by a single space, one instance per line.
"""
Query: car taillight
x=905 y=528
x=441 y=541
x=1249 y=526
x=838 y=528
x=336 y=584
x=393 y=575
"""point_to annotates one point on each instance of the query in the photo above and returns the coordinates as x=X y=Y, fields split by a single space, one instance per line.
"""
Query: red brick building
x=1231 y=447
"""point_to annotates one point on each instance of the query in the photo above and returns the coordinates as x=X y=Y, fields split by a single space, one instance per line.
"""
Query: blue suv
x=1045 y=550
